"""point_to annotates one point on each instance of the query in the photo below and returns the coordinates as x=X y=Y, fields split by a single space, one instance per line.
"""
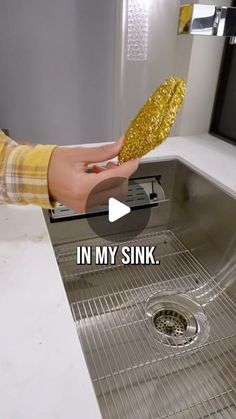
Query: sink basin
x=160 y=341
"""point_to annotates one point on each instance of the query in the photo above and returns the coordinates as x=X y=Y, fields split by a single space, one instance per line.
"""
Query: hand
x=70 y=183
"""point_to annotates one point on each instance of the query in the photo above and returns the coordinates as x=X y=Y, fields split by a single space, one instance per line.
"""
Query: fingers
x=99 y=169
x=102 y=198
x=101 y=153
x=125 y=170
x=112 y=178
x=106 y=184
x=112 y=175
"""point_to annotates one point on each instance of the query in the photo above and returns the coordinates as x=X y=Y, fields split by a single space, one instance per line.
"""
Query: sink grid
x=134 y=375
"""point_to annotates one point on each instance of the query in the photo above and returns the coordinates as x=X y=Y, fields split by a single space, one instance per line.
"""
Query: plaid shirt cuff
x=24 y=173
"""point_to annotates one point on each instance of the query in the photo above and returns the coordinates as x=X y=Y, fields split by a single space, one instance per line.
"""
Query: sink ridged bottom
x=135 y=374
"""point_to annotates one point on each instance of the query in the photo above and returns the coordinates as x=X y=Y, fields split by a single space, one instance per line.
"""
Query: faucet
x=201 y=19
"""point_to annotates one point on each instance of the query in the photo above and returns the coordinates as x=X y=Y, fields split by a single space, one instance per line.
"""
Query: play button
x=117 y=210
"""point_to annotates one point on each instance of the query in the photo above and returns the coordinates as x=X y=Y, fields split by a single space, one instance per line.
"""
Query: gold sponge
x=153 y=123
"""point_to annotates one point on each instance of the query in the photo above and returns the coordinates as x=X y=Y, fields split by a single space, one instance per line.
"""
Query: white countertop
x=43 y=374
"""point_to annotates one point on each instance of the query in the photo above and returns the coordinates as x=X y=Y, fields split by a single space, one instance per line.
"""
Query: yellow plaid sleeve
x=24 y=173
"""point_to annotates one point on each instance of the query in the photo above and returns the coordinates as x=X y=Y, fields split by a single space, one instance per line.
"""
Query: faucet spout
x=201 y=19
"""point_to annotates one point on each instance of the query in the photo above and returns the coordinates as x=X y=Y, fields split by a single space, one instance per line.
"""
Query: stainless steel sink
x=160 y=341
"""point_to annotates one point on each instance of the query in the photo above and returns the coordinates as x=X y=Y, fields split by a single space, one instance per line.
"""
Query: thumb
x=101 y=153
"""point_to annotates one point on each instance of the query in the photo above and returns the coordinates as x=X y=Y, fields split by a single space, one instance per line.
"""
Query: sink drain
x=176 y=319
x=170 y=322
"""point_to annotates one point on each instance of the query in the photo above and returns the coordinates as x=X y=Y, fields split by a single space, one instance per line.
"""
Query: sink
x=160 y=341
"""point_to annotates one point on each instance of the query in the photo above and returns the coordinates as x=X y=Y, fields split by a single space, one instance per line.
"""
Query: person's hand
x=70 y=183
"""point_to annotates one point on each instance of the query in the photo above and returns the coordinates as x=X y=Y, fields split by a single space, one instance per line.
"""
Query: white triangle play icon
x=117 y=210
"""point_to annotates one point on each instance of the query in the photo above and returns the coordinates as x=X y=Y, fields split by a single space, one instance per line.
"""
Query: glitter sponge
x=153 y=123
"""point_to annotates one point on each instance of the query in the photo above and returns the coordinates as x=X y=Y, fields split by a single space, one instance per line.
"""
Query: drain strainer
x=176 y=319
x=170 y=322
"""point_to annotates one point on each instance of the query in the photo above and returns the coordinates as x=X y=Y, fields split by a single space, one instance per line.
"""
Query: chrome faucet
x=201 y=19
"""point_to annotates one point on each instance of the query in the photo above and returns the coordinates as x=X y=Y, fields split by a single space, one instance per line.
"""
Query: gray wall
x=56 y=71
x=65 y=77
